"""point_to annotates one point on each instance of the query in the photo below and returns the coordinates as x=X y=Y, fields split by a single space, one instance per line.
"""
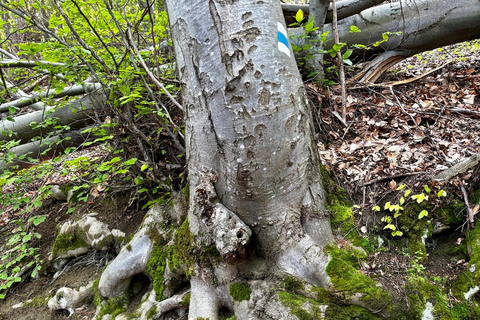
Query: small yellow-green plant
x=396 y=209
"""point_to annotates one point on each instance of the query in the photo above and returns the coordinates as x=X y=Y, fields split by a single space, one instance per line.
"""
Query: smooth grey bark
x=314 y=64
x=77 y=114
x=68 y=91
x=345 y=8
x=250 y=147
x=424 y=25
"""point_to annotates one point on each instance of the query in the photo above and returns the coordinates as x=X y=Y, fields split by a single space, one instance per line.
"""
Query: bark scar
x=222 y=226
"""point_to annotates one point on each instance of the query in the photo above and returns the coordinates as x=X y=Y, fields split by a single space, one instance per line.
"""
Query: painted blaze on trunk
x=249 y=133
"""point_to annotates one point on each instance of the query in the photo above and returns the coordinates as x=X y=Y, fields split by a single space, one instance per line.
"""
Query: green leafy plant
x=85 y=40
x=395 y=210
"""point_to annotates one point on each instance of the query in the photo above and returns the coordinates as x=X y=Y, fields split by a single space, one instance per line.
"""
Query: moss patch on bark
x=339 y=206
x=239 y=291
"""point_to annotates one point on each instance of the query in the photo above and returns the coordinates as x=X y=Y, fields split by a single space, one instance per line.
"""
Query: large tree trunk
x=251 y=154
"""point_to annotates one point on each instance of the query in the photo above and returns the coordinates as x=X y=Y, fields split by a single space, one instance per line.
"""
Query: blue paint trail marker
x=283 y=44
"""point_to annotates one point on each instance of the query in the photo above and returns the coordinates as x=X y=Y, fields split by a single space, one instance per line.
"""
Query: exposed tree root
x=233 y=278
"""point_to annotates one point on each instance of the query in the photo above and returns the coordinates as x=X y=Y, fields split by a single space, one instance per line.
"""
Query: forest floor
x=396 y=133
x=404 y=132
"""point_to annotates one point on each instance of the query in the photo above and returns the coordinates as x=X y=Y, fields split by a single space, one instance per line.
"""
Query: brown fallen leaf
x=393 y=185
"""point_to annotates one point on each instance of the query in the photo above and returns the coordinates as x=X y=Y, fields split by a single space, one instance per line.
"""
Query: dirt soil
x=114 y=211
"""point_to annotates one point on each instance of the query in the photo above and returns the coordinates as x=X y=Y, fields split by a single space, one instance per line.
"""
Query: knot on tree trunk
x=222 y=226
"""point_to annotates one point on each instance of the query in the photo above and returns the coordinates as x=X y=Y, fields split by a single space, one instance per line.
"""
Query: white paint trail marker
x=283 y=44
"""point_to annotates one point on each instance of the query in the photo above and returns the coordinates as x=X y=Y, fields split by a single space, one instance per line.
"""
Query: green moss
x=451 y=213
x=152 y=312
x=106 y=242
x=467 y=279
x=183 y=249
x=240 y=291
x=156 y=269
x=351 y=255
x=420 y=291
x=39 y=301
x=180 y=254
x=408 y=221
x=68 y=241
x=303 y=308
x=349 y=312
x=339 y=205
x=115 y=306
x=129 y=247
x=292 y=284
x=348 y=280
x=475 y=197
x=417 y=248
x=307 y=302
x=186 y=300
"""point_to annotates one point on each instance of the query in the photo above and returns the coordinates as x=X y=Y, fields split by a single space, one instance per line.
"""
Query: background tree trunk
x=423 y=26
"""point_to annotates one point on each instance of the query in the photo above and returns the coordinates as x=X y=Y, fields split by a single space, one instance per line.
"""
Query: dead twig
x=341 y=67
x=458 y=168
x=467 y=204
x=400 y=82
x=400 y=175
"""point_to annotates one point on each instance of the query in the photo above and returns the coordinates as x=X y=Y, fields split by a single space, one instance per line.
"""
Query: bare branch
x=49 y=147
x=340 y=63
x=150 y=74
x=8 y=54
x=79 y=39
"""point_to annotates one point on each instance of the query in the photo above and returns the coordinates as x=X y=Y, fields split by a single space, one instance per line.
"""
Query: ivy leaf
x=376 y=208
x=422 y=214
x=420 y=197
x=402 y=201
x=387 y=205
x=407 y=193
x=397 y=233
